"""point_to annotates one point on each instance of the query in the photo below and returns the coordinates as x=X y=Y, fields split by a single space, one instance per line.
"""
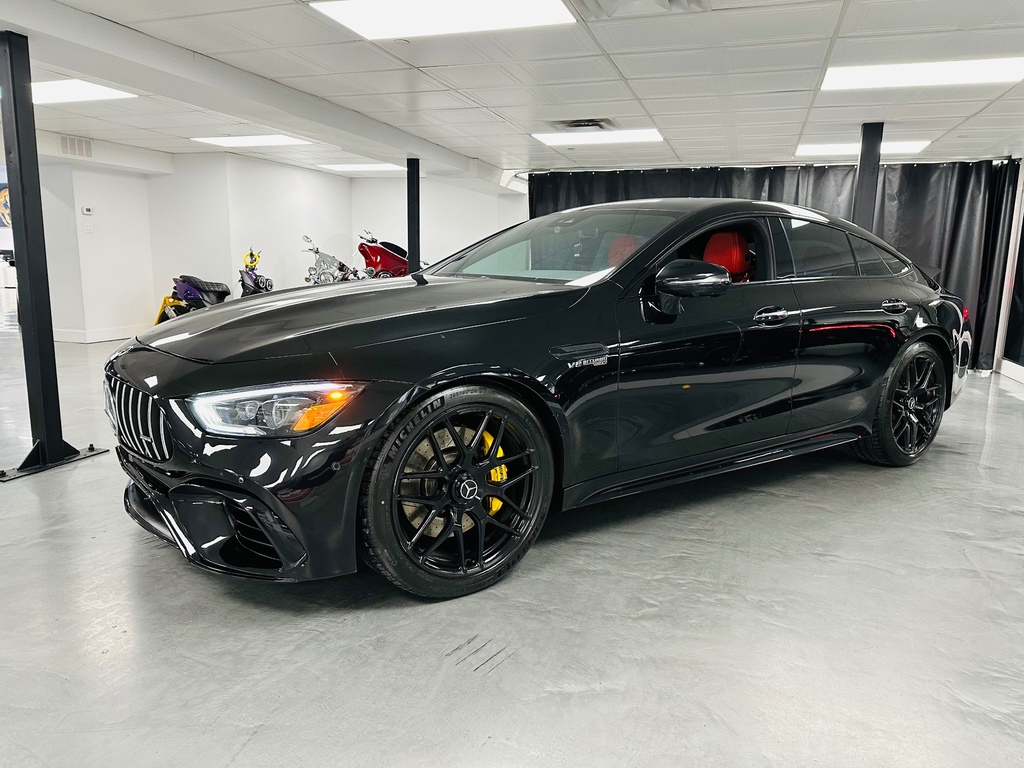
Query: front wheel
x=457 y=493
x=909 y=411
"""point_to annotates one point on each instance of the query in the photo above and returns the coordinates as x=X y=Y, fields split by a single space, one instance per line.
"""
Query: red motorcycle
x=385 y=259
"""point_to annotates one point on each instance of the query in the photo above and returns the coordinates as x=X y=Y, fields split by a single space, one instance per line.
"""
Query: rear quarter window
x=873 y=261
x=819 y=250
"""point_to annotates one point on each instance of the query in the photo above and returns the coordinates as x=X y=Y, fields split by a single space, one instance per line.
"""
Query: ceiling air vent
x=73 y=146
x=586 y=125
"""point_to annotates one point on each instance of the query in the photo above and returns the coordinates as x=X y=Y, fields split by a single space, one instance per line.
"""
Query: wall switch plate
x=86 y=210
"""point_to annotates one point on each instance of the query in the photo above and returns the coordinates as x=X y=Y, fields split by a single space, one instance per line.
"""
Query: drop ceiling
x=725 y=81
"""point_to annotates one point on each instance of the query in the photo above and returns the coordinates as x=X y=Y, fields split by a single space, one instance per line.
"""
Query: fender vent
x=74 y=146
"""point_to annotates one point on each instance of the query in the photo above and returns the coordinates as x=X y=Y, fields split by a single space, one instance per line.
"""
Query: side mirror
x=306 y=238
x=689 y=279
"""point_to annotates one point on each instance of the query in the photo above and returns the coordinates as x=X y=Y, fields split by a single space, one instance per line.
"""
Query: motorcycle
x=253 y=283
x=188 y=295
x=385 y=259
x=382 y=260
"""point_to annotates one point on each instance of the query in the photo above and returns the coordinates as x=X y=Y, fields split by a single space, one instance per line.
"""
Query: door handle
x=894 y=306
x=771 y=316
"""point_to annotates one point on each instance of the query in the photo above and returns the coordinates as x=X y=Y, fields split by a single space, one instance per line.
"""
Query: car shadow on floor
x=367 y=590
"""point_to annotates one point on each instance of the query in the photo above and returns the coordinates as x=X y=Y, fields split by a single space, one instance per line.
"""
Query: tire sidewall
x=386 y=552
x=887 y=441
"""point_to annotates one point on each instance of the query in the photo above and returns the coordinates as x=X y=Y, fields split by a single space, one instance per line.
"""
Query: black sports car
x=430 y=423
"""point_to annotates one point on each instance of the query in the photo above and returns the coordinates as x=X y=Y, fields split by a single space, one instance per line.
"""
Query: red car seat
x=731 y=250
x=620 y=249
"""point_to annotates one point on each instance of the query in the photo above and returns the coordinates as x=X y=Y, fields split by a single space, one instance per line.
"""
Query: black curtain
x=952 y=219
x=1015 y=327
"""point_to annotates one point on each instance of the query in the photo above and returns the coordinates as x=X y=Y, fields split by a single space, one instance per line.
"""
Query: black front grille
x=141 y=425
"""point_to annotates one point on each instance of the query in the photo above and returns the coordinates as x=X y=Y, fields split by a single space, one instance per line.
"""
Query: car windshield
x=572 y=247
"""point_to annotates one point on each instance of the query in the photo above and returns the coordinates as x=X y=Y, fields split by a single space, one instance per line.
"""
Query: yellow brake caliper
x=498 y=475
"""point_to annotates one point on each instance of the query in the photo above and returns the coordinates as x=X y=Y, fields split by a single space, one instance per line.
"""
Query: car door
x=717 y=376
x=851 y=311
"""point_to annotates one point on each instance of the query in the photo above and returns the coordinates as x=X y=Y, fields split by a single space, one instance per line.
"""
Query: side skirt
x=606 y=488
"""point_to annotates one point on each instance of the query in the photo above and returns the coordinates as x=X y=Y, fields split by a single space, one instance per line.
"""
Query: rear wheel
x=909 y=411
x=457 y=493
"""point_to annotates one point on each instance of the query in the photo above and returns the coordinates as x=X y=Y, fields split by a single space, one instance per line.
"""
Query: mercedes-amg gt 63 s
x=429 y=424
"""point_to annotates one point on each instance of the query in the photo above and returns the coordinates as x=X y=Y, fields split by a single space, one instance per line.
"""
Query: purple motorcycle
x=188 y=295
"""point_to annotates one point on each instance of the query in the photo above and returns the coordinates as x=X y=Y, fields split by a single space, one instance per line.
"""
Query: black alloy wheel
x=909 y=411
x=457 y=493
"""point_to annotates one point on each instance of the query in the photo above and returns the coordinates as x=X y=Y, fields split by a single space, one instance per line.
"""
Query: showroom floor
x=812 y=612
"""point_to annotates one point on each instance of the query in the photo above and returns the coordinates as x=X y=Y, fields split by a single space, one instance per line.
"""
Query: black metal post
x=412 y=169
x=19 y=132
x=866 y=185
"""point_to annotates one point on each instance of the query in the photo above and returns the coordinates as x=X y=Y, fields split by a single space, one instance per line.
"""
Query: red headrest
x=730 y=250
x=621 y=248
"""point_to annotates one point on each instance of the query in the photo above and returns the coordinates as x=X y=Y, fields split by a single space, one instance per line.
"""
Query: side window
x=818 y=250
x=739 y=246
x=869 y=258
x=874 y=261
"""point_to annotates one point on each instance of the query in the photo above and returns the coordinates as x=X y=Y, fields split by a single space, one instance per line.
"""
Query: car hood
x=330 y=318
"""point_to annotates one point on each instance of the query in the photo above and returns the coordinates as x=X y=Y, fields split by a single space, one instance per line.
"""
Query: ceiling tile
x=541 y=43
x=724 y=28
x=141 y=10
x=883 y=16
x=446 y=50
x=398 y=81
x=327 y=85
x=580 y=111
x=344 y=58
x=292 y=24
x=483 y=76
x=750 y=82
x=895 y=49
x=273 y=64
x=615 y=90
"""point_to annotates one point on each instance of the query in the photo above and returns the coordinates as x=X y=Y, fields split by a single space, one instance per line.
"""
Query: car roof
x=716 y=206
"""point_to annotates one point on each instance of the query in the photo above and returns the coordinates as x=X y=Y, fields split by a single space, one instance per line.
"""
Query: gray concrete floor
x=811 y=612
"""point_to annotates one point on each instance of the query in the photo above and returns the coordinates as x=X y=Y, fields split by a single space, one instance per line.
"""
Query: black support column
x=866 y=188
x=19 y=132
x=412 y=168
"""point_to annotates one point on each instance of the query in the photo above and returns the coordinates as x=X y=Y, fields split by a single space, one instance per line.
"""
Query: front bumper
x=218 y=529
x=280 y=509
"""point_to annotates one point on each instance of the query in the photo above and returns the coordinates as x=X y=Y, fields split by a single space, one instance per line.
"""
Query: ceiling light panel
x=275 y=140
x=362 y=167
x=67 y=91
x=393 y=19
x=933 y=73
x=583 y=138
x=853 y=149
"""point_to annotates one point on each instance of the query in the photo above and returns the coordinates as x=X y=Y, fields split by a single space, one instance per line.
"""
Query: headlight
x=282 y=411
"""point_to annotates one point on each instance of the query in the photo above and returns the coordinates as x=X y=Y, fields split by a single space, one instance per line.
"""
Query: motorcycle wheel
x=383 y=275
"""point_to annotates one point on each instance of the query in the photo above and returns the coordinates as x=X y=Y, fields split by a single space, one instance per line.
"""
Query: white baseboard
x=93 y=336
x=1011 y=370
x=67 y=334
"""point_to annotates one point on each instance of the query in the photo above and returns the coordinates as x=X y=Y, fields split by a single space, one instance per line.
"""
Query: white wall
x=146 y=229
x=114 y=246
x=100 y=267
x=188 y=214
x=272 y=206
x=62 y=258
x=450 y=217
